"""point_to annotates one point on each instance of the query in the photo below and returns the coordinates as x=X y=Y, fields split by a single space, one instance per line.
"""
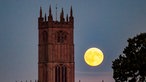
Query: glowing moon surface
x=93 y=56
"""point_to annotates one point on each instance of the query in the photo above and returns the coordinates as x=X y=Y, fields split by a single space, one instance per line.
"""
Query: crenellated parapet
x=49 y=22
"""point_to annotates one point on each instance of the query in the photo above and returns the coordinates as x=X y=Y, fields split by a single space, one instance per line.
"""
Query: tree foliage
x=131 y=65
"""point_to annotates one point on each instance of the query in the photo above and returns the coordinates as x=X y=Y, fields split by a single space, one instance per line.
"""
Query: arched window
x=61 y=73
x=64 y=73
x=61 y=36
x=57 y=73
x=45 y=37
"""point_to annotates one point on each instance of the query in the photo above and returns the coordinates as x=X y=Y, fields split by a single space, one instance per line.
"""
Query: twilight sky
x=106 y=24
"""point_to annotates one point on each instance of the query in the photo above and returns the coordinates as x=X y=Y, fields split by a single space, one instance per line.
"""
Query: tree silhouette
x=131 y=65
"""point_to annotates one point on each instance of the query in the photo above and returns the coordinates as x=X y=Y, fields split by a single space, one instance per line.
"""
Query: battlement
x=48 y=20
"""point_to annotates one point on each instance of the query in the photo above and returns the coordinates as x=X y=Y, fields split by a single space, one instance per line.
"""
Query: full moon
x=93 y=56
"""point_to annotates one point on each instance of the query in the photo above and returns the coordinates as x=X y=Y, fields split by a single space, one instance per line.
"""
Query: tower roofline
x=66 y=20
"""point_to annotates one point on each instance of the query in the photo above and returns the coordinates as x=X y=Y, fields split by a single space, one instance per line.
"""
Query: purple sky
x=106 y=24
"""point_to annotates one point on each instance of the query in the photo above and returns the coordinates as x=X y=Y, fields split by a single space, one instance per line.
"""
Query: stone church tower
x=56 y=48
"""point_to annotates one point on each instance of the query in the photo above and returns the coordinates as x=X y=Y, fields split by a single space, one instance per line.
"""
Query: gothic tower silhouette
x=56 y=48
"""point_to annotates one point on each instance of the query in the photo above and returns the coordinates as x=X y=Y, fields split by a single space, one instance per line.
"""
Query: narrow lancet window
x=64 y=71
x=57 y=74
x=45 y=37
